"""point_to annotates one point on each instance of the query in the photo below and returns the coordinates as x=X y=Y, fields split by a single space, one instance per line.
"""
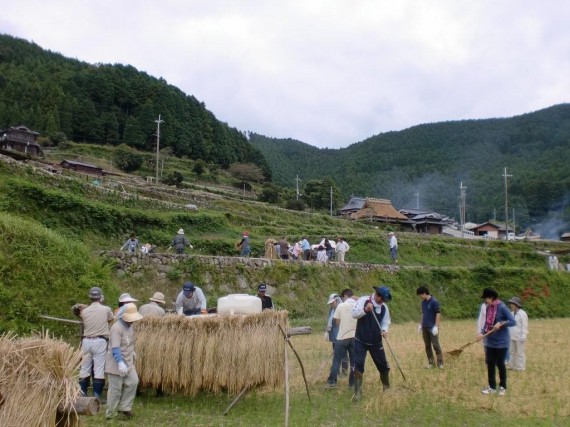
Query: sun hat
x=158 y=297
x=181 y=231
x=516 y=301
x=127 y=298
x=489 y=293
x=332 y=298
x=390 y=233
x=188 y=287
x=245 y=233
x=384 y=292
x=131 y=313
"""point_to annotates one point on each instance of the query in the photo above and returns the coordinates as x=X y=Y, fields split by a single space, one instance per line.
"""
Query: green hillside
x=55 y=225
x=433 y=159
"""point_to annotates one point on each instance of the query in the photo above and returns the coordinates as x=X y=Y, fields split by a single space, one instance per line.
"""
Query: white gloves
x=435 y=331
x=123 y=369
x=419 y=328
x=191 y=247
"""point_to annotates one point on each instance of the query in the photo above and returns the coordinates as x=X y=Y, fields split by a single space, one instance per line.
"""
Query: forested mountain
x=105 y=103
x=433 y=159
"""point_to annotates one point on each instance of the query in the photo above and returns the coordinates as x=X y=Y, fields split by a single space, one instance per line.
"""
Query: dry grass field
x=429 y=397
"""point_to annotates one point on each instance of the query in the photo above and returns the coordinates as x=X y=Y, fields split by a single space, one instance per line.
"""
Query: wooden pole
x=286 y=384
x=59 y=319
x=246 y=388
x=81 y=406
x=299 y=359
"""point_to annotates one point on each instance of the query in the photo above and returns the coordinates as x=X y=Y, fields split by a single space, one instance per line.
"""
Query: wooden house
x=354 y=205
x=379 y=210
x=424 y=221
x=491 y=230
x=86 y=168
x=20 y=139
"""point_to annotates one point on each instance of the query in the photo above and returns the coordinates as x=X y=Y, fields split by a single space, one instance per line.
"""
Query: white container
x=239 y=304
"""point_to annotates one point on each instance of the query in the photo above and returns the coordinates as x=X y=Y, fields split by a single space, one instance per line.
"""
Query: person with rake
x=429 y=326
x=496 y=339
x=372 y=324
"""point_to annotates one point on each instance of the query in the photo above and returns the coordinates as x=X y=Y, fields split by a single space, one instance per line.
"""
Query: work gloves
x=435 y=331
x=123 y=369
x=419 y=328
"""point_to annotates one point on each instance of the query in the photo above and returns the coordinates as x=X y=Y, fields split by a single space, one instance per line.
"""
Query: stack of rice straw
x=220 y=353
x=37 y=374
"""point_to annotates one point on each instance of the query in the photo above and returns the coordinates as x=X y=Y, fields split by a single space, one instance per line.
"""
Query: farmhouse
x=354 y=205
x=82 y=167
x=425 y=221
x=20 y=139
x=379 y=210
x=491 y=230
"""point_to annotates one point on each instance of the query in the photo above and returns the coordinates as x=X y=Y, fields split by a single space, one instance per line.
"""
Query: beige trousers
x=121 y=392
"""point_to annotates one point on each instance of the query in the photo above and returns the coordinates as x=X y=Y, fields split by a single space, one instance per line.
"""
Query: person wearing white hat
x=120 y=364
x=154 y=307
x=180 y=241
x=519 y=332
x=123 y=299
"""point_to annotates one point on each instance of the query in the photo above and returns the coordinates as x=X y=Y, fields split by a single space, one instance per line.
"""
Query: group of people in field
x=358 y=326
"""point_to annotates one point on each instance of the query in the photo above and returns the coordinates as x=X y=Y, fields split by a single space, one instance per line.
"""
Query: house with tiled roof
x=354 y=205
x=20 y=139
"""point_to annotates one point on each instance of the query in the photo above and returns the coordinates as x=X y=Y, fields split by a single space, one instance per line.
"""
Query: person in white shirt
x=393 y=241
x=344 y=341
x=341 y=249
x=519 y=333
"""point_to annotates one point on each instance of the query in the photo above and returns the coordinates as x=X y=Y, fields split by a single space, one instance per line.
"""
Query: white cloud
x=329 y=73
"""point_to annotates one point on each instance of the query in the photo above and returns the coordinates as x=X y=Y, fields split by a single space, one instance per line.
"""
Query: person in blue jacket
x=496 y=339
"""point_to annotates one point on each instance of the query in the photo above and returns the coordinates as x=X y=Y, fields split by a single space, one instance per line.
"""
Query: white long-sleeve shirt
x=393 y=242
x=519 y=332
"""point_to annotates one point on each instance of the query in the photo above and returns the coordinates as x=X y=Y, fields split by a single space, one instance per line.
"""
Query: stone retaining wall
x=163 y=263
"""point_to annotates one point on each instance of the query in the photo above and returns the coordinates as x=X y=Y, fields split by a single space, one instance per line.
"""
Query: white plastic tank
x=239 y=304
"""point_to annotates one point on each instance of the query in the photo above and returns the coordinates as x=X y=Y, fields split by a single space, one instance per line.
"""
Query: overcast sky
x=326 y=72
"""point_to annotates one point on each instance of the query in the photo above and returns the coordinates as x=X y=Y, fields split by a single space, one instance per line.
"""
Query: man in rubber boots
x=368 y=336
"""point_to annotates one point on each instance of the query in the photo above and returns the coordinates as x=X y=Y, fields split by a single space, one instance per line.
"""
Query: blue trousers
x=340 y=349
x=376 y=352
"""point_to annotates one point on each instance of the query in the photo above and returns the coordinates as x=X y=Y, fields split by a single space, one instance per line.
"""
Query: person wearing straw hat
x=123 y=299
x=120 y=364
x=495 y=334
x=180 y=241
x=519 y=332
x=155 y=307
x=96 y=319
x=368 y=336
x=191 y=300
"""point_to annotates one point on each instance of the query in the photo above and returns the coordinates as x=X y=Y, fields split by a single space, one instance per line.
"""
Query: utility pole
x=297 y=181
x=417 y=200
x=494 y=214
x=158 y=122
x=331 y=201
x=514 y=226
x=506 y=204
x=462 y=207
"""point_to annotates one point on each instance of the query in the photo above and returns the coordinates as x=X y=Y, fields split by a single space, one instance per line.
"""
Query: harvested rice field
x=540 y=396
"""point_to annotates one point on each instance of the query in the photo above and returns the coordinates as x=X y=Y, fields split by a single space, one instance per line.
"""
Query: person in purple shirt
x=496 y=339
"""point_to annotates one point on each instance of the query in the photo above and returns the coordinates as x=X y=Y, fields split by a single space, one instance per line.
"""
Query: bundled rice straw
x=37 y=374
x=211 y=353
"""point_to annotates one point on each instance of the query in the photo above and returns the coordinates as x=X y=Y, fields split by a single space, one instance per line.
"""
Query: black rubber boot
x=84 y=384
x=98 y=385
x=385 y=378
x=357 y=387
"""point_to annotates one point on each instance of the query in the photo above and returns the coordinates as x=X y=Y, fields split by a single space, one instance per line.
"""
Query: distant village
x=20 y=142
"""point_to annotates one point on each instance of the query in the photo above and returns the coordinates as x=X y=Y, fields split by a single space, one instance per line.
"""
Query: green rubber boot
x=357 y=387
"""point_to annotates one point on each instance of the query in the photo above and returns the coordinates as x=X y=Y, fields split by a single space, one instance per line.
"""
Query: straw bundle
x=211 y=353
x=270 y=251
x=37 y=374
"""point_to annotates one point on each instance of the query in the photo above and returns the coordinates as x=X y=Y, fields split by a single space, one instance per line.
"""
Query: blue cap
x=188 y=287
x=262 y=287
x=384 y=292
